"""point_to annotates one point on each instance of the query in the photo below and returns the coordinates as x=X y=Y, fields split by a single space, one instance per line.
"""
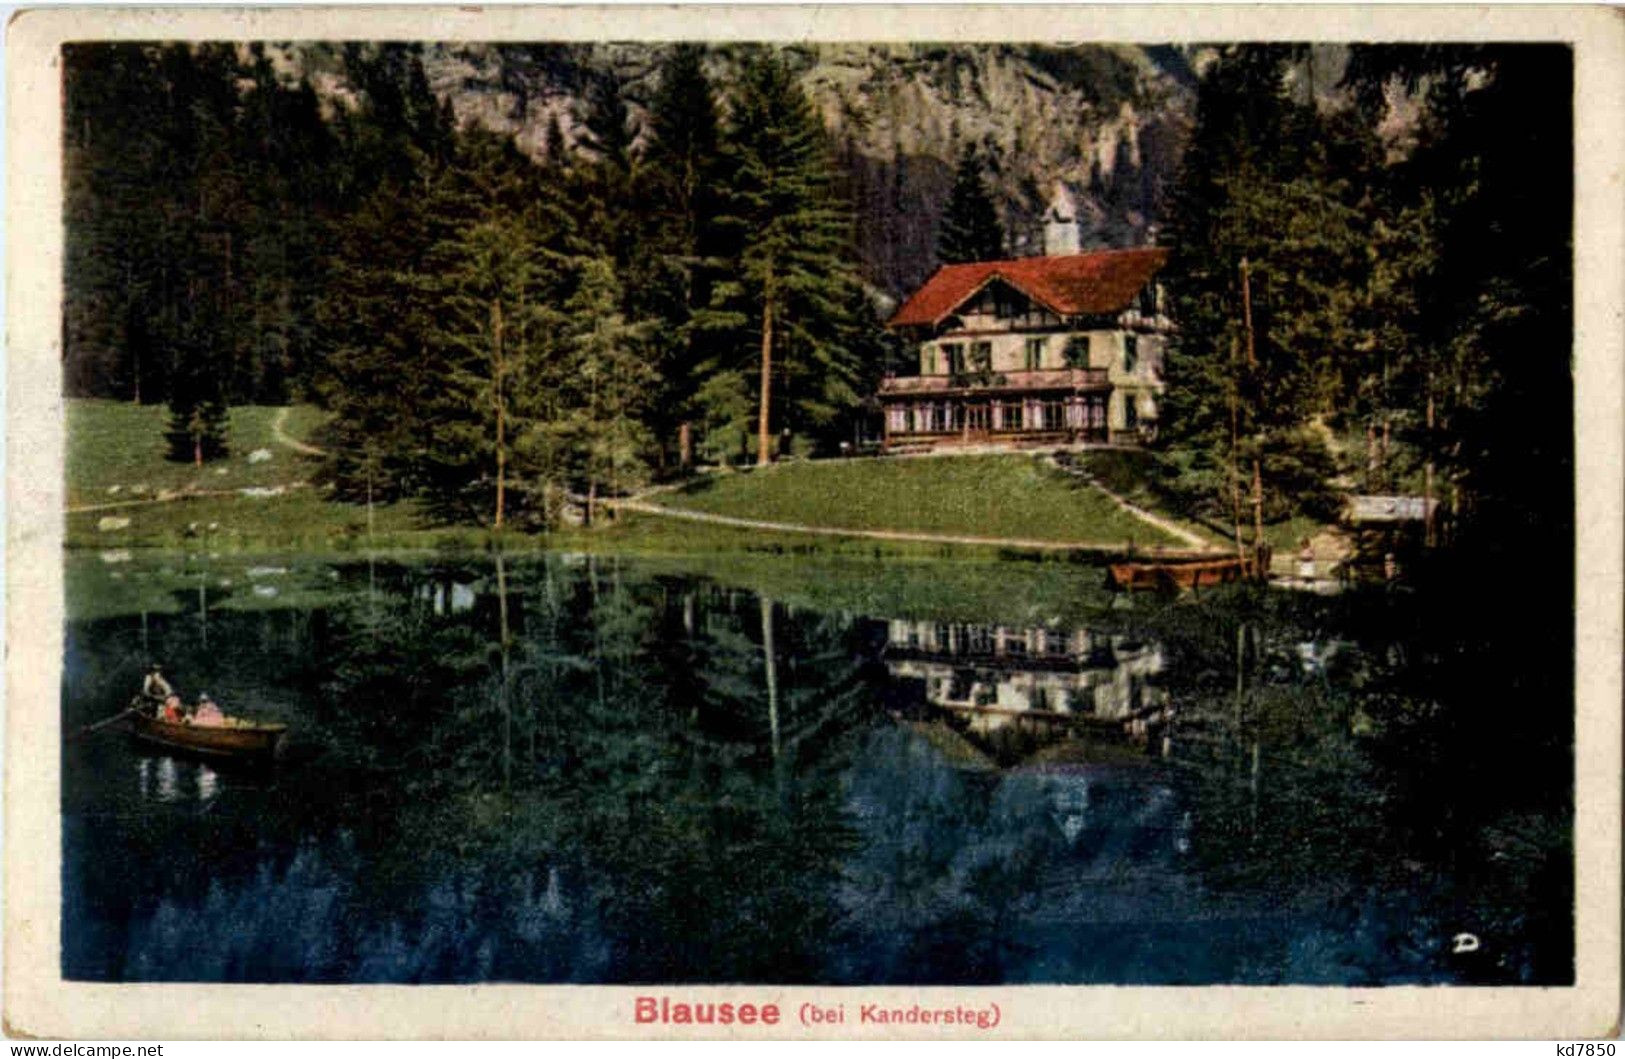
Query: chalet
x=1061 y=348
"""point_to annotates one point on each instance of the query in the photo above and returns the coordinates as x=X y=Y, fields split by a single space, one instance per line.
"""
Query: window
x=1011 y=416
x=1131 y=353
x=955 y=354
x=1096 y=408
x=1035 y=354
x=1054 y=415
x=976 y=417
x=928 y=360
x=981 y=356
x=1131 y=411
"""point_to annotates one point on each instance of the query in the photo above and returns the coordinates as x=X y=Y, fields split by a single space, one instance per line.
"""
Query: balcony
x=1067 y=379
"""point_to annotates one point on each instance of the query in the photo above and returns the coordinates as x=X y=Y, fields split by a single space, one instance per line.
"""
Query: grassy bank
x=1132 y=475
x=116 y=451
x=124 y=494
x=1013 y=496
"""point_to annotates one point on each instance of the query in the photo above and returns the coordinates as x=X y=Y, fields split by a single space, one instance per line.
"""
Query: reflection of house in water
x=447 y=596
x=1031 y=685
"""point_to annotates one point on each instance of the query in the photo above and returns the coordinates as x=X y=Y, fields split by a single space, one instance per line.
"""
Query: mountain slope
x=1108 y=120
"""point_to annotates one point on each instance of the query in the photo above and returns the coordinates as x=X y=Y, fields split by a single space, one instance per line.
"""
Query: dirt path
x=1094 y=547
x=282 y=437
x=1195 y=540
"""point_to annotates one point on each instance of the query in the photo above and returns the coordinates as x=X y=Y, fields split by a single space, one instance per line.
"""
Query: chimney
x=1061 y=224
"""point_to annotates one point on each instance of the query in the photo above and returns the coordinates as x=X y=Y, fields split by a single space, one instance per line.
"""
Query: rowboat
x=1180 y=574
x=236 y=739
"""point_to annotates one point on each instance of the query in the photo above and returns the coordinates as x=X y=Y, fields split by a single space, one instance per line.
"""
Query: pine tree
x=610 y=380
x=608 y=120
x=1267 y=266
x=556 y=152
x=197 y=410
x=114 y=216
x=678 y=189
x=970 y=228
x=1484 y=213
x=374 y=319
x=785 y=299
x=488 y=279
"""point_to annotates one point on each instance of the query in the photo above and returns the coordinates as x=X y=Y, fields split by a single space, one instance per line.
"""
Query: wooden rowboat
x=239 y=739
x=1185 y=574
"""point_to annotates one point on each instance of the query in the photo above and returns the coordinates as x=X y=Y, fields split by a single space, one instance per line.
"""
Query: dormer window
x=1131 y=353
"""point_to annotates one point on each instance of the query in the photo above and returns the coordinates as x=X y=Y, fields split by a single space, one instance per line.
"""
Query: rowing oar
x=99 y=725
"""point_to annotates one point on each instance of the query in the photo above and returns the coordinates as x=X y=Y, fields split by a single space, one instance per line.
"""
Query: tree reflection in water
x=580 y=769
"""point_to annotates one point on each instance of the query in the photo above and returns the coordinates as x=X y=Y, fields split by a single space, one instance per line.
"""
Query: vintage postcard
x=877 y=522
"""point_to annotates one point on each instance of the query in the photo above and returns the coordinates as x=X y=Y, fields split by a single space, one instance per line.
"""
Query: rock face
x=1109 y=121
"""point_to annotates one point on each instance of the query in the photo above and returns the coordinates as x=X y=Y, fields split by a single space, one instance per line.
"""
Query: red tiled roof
x=1105 y=281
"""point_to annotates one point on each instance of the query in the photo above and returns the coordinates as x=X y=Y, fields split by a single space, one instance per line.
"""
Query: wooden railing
x=1002 y=382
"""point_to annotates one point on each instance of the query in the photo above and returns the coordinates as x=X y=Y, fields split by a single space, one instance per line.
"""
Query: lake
x=568 y=768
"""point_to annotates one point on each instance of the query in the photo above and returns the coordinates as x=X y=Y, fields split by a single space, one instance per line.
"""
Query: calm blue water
x=583 y=770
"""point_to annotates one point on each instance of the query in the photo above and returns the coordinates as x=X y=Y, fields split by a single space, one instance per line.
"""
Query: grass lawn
x=1013 y=496
x=1130 y=474
x=302 y=519
x=116 y=451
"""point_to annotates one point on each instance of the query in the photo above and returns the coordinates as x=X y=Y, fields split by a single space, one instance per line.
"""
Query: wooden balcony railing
x=997 y=382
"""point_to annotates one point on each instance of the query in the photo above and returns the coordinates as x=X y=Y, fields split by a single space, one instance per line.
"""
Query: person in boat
x=155 y=689
x=171 y=710
x=207 y=713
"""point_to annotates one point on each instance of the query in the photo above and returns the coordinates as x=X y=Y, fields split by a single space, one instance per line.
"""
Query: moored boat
x=235 y=739
x=1180 y=574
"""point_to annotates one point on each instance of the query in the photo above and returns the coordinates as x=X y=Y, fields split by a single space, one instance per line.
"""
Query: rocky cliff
x=1109 y=121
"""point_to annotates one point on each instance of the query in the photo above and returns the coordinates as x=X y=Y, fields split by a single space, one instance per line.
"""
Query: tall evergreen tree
x=468 y=310
x=679 y=189
x=610 y=378
x=1267 y=251
x=970 y=223
x=1488 y=195
x=785 y=300
x=608 y=120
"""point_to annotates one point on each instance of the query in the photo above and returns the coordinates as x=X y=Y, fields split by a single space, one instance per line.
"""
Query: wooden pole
x=496 y=396
x=764 y=439
x=1258 y=517
x=1258 y=468
x=503 y=690
x=99 y=725
x=1427 y=478
x=1235 y=444
x=770 y=664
